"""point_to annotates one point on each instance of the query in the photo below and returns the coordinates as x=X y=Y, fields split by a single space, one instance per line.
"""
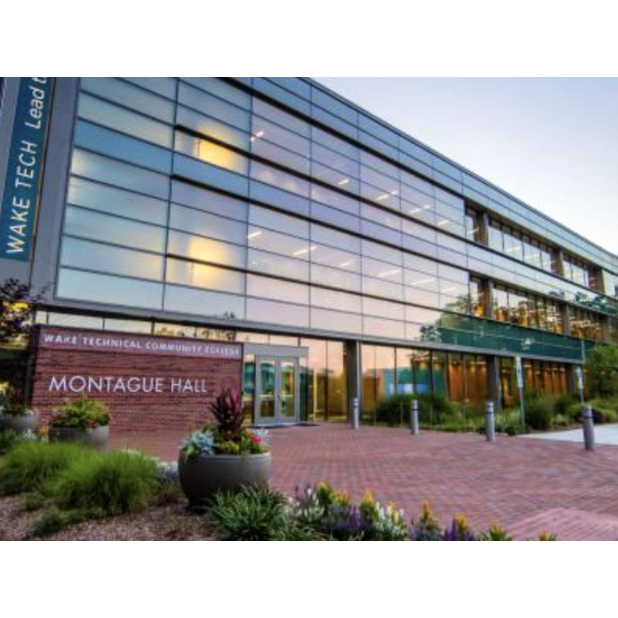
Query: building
x=349 y=259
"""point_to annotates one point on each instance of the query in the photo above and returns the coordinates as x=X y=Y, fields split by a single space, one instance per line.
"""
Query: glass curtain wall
x=462 y=378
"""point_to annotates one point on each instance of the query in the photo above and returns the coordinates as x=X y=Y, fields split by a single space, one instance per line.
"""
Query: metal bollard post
x=355 y=413
x=414 y=426
x=490 y=422
x=588 y=419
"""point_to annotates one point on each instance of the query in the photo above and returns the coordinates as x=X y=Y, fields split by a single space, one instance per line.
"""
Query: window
x=495 y=237
x=116 y=201
x=477 y=298
x=204 y=303
x=211 y=153
x=213 y=106
x=206 y=250
x=276 y=242
x=118 y=91
x=109 y=171
x=270 y=264
x=94 y=256
x=120 y=119
x=209 y=201
x=87 y=286
x=205 y=276
x=97 y=226
x=474 y=231
x=266 y=287
x=271 y=176
x=206 y=224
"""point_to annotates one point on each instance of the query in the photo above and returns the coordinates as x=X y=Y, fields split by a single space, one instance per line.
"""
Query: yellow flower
x=367 y=496
x=460 y=520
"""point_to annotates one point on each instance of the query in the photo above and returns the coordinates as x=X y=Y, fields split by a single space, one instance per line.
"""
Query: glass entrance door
x=277 y=391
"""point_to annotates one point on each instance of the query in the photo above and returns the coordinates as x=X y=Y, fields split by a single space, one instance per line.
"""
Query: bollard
x=490 y=422
x=355 y=413
x=414 y=426
x=588 y=419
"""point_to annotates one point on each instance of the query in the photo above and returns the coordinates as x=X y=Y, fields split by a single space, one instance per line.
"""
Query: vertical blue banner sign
x=25 y=168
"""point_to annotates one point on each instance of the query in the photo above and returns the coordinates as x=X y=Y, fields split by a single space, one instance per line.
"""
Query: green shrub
x=34 y=501
x=574 y=412
x=562 y=404
x=8 y=439
x=80 y=413
x=389 y=411
x=602 y=370
x=253 y=514
x=605 y=411
x=51 y=522
x=55 y=520
x=30 y=465
x=539 y=412
x=108 y=483
x=432 y=409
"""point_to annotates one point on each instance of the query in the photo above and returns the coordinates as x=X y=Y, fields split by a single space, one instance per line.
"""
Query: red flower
x=256 y=439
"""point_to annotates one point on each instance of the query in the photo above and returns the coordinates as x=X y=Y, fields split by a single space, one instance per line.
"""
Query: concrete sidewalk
x=604 y=434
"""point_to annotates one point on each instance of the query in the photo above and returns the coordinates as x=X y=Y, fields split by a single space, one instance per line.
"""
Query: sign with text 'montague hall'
x=147 y=382
x=24 y=169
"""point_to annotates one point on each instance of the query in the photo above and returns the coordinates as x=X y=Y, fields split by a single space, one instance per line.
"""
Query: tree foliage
x=602 y=369
x=17 y=308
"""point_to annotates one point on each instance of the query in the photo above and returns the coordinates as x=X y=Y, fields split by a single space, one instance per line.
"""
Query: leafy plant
x=544 y=536
x=108 y=483
x=563 y=403
x=8 y=439
x=30 y=465
x=331 y=514
x=459 y=531
x=81 y=413
x=427 y=527
x=495 y=533
x=433 y=410
x=198 y=443
x=256 y=513
x=539 y=412
x=227 y=436
x=229 y=413
x=13 y=402
x=602 y=370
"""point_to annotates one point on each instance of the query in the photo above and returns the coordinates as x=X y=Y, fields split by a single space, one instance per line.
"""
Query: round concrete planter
x=19 y=423
x=202 y=476
x=96 y=436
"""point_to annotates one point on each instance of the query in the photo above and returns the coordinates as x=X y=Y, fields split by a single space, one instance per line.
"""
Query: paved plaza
x=523 y=484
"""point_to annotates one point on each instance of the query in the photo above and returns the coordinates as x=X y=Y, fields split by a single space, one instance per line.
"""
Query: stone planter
x=96 y=436
x=202 y=476
x=19 y=423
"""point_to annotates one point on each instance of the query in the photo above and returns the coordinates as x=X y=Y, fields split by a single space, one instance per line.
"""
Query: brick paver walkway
x=525 y=485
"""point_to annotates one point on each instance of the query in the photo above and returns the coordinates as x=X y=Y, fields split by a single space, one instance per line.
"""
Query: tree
x=17 y=309
x=602 y=369
x=17 y=313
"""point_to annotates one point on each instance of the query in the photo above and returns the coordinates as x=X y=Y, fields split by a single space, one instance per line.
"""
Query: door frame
x=277 y=354
x=278 y=419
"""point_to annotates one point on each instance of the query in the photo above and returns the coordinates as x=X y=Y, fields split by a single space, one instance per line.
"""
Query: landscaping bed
x=171 y=522
x=64 y=491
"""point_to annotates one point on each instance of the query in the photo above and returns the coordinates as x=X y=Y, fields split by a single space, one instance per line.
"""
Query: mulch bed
x=170 y=522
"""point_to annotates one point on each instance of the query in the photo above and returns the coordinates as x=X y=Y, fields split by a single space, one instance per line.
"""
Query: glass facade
x=386 y=371
x=257 y=208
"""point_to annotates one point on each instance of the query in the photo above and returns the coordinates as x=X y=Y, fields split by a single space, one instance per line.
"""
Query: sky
x=551 y=142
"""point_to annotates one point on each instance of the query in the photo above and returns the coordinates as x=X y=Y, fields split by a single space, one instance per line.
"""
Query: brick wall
x=137 y=410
